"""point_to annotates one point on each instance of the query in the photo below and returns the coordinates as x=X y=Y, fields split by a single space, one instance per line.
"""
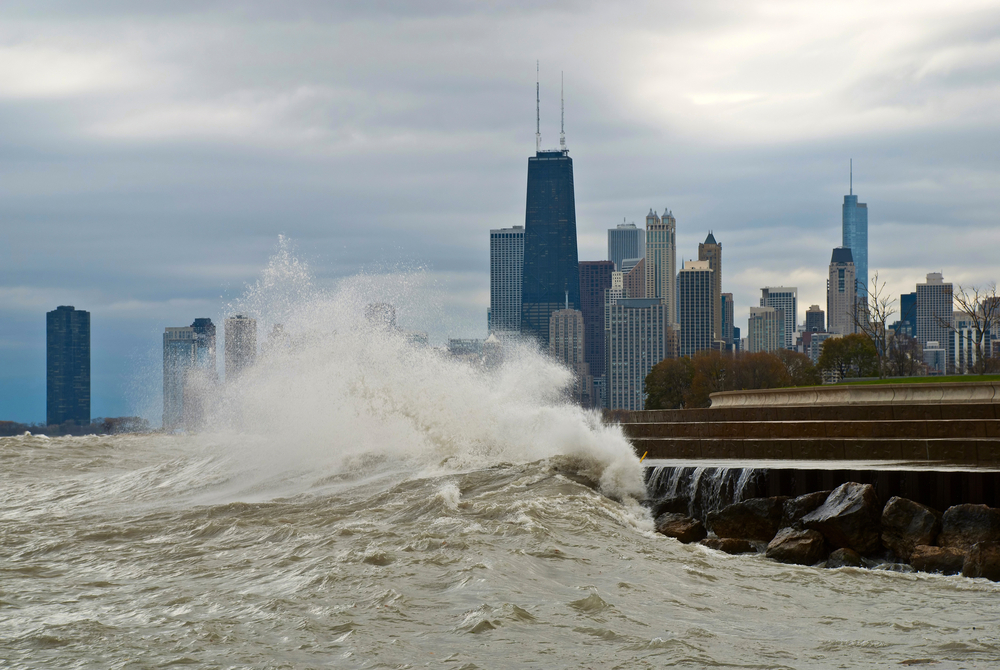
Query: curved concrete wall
x=882 y=394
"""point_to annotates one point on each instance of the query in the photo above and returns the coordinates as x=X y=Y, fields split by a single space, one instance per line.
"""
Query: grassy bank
x=924 y=380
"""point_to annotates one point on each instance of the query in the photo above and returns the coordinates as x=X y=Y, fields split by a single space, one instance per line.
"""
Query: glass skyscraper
x=856 y=238
x=551 y=266
x=67 y=366
x=506 y=275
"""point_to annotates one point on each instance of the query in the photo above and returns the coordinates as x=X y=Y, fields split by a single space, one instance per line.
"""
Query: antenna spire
x=538 y=114
x=852 y=176
x=562 y=114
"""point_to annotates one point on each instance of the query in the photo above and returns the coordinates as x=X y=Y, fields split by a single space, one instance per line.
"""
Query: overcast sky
x=149 y=158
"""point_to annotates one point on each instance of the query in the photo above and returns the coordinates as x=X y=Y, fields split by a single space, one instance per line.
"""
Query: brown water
x=142 y=552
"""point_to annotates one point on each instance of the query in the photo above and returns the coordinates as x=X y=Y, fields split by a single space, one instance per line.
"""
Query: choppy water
x=144 y=552
x=356 y=501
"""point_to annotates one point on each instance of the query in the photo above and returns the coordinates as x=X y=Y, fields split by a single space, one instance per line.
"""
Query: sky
x=152 y=153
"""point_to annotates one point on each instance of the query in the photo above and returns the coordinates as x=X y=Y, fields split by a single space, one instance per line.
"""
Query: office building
x=766 y=329
x=841 y=293
x=506 y=275
x=626 y=242
x=567 y=342
x=595 y=280
x=934 y=313
x=935 y=358
x=727 y=319
x=628 y=264
x=634 y=282
x=67 y=366
x=785 y=298
x=241 y=337
x=696 y=307
x=661 y=260
x=189 y=373
x=639 y=335
x=815 y=320
x=855 y=237
x=551 y=269
x=711 y=251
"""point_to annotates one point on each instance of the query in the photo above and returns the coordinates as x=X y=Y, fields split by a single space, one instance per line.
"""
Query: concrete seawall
x=882 y=394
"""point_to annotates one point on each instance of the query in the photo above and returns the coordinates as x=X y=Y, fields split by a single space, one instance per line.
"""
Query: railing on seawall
x=882 y=394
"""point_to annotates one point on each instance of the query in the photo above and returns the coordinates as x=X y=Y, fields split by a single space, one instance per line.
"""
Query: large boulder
x=804 y=547
x=671 y=505
x=849 y=517
x=680 y=526
x=962 y=526
x=754 y=519
x=983 y=560
x=730 y=545
x=843 y=558
x=906 y=524
x=796 y=508
x=945 y=560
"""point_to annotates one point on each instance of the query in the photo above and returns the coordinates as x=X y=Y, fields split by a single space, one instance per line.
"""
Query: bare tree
x=871 y=318
x=981 y=305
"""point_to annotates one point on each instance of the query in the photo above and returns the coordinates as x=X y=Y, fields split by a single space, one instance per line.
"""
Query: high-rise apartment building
x=766 y=329
x=855 y=234
x=727 y=318
x=241 y=342
x=841 y=293
x=815 y=320
x=639 y=335
x=785 y=298
x=696 y=307
x=711 y=251
x=186 y=350
x=67 y=366
x=550 y=254
x=506 y=275
x=935 y=307
x=661 y=260
x=907 y=324
x=625 y=241
x=567 y=343
x=595 y=280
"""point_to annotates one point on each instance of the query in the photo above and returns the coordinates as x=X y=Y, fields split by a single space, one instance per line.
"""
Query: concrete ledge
x=880 y=394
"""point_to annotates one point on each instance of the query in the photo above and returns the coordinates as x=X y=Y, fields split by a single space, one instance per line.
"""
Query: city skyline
x=128 y=150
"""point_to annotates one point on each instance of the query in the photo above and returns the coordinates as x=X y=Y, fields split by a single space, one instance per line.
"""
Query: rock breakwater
x=847 y=526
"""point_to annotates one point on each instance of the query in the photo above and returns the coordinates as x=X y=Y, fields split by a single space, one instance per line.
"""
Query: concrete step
x=908 y=412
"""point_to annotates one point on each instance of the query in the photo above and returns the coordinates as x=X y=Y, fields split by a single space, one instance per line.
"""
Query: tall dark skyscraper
x=67 y=362
x=551 y=268
x=595 y=279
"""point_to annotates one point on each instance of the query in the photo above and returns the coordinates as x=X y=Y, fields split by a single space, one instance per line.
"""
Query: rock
x=841 y=558
x=675 y=505
x=906 y=524
x=680 y=526
x=965 y=525
x=796 y=508
x=849 y=517
x=804 y=547
x=983 y=560
x=754 y=519
x=730 y=545
x=945 y=560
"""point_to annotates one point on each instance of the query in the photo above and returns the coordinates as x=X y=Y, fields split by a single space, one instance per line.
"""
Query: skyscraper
x=727 y=318
x=841 y=293
x=661 y=260
x=639 y=336
x=766 y=329
x=711 y=251
x=634 y=281
x=785 y=298
x=625 y=241
x=67 y=366
x=935 y=309
x=595 y=279
x=185 y=350
x=506 y=275
x=567 y=343
x=696 y=286
x=550 y=254
x=815 y=319
x=855 y=229
x=241 y=341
